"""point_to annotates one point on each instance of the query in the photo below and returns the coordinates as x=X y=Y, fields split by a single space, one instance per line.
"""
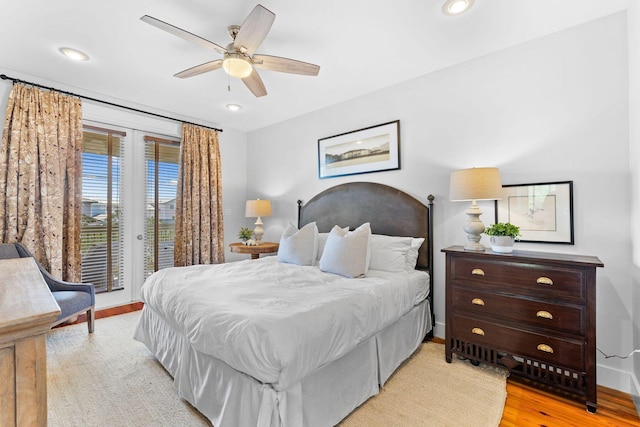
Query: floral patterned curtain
x=199 y=222
x=40 y=178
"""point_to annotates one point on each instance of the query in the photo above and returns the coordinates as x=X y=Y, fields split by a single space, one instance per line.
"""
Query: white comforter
x=278 y=322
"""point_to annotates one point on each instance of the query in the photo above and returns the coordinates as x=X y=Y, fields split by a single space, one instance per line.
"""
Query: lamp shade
x=475 y=184
x=257 y=208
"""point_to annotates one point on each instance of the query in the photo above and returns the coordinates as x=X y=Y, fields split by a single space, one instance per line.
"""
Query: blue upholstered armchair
x=73 y=298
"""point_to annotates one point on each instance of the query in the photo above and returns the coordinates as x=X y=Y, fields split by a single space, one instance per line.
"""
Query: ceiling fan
x=239 y=58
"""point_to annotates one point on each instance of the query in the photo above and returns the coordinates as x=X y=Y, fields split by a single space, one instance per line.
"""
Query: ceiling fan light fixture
x=236 y=65
x=456 y=7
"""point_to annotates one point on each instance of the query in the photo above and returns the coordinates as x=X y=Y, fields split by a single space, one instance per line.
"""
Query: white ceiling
x=361 y=46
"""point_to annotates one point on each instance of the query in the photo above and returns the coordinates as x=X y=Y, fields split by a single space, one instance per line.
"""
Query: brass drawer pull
x=544 y=281
x=546 y=348
x=477 y=272
x=544 y=314
x=477 y=301
x=477 y=331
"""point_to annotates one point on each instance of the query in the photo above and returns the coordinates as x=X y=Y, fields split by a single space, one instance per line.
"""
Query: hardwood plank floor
x=525 y=406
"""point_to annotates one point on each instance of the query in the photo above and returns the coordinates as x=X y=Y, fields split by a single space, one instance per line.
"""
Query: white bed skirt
x=231 y=398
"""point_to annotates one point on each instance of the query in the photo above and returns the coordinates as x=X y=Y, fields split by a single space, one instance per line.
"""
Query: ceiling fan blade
x=255 y=85
x=200 y=69
x=253 y=30
x=182 y=33
x=285 y=65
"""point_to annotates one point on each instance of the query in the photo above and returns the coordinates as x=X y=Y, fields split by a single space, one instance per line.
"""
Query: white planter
x=502 y=244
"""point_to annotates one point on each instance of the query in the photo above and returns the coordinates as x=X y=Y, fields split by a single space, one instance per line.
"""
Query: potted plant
x=245 y=234
x=502 y=236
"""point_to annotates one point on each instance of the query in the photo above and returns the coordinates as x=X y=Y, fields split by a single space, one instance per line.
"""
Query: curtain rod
x=5 y=77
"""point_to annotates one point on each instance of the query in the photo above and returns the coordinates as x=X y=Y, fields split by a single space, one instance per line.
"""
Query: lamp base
x=474 y=228
x=474 y=246
x=258 y=231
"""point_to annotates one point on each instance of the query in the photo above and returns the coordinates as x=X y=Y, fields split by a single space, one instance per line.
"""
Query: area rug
x=109 y=379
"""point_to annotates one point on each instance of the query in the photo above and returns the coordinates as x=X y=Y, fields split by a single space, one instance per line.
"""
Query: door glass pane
x=162 y=160
x=101 y=243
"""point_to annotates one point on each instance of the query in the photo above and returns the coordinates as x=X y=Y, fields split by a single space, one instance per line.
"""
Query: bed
x=270 y=343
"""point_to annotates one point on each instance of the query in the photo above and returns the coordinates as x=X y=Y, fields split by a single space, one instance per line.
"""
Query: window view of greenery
x=101 y=220
x=162 y=157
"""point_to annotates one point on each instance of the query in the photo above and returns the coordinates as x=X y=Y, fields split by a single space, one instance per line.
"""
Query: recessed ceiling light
x=456 y=7
x=234 y=107
x=74 y=54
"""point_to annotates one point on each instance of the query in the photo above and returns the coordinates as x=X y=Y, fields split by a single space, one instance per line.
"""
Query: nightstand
x=254 y=251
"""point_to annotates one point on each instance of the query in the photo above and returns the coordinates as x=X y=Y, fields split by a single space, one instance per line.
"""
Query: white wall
x=233 y=154
x=633 y=20
x=552 y=109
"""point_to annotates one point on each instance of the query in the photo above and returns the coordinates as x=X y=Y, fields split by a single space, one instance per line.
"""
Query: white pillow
x=322 y=239
x=389 y=253
x=299 y=246
x=347 y=253
x=412 y=254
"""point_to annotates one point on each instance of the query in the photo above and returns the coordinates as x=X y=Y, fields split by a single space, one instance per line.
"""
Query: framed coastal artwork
x=372 y=149
x=543 y=211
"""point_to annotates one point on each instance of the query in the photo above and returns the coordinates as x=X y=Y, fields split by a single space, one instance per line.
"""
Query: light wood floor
x=525 y=406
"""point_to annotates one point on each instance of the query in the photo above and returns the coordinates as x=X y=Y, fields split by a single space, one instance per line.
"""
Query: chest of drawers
x=531 y=312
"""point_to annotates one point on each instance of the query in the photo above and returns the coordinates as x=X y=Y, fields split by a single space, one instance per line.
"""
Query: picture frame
x=543 y=211
x=372 y=149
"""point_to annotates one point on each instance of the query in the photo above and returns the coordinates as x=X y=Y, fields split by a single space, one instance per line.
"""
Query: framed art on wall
x=372 y=149
x=543 y=211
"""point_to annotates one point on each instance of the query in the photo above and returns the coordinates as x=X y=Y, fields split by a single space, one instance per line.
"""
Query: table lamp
x=475 y=184
x=258 y=208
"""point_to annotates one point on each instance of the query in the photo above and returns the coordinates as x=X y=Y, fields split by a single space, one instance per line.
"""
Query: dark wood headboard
x=389 y=211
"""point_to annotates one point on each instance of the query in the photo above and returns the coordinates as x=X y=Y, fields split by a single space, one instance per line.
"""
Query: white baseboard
x=635 y=392
x=438 y=330
x=619 y=380
x=635 y=387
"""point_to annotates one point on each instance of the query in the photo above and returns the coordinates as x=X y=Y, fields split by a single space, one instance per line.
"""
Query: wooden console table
x=27 y=310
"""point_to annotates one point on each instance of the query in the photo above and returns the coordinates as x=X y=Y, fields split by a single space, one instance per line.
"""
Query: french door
x=129 y=183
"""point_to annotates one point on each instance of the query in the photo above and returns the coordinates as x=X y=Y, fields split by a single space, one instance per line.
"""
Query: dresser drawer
x=532 y=279
x=553 y=350
x=560 y=317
